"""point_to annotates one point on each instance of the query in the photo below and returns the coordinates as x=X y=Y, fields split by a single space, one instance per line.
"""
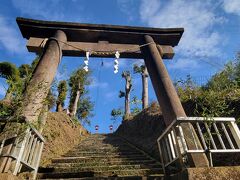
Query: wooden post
x=168 y=98
x=38 y=88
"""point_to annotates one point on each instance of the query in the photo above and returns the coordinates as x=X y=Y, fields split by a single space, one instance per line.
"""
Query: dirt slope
x=61 y=134
x=144 y=129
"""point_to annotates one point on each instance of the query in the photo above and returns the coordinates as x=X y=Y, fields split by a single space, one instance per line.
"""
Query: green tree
x=128 y=86
x=223 y=80
x=186 y=89
x=144 y=73
x=78 y=80
x=62 y=93
x=25 y=70
x=10 y=72
x=84 y=110
x=116 y=114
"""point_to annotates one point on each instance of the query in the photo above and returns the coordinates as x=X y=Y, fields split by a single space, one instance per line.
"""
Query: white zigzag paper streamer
x=86 y=61
x=116 y=63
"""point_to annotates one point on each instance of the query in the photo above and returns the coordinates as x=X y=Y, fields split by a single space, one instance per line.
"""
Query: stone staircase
x=103 y=157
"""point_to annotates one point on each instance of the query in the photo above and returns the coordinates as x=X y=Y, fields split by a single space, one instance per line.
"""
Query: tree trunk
x=127 y=105
x=59 y=107
x=145 y=88
x=127 y=96
x=43 y=75
x=75 y=104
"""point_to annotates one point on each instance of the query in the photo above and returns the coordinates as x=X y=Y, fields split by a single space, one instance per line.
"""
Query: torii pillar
x=38 y=88
x=168 y=97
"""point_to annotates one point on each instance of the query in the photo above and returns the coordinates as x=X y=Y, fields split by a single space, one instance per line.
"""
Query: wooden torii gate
x=63 y=38
x=74 y=39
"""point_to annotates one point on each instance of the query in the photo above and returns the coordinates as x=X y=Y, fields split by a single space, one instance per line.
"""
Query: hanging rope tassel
x=86 y=61
x=116 y=63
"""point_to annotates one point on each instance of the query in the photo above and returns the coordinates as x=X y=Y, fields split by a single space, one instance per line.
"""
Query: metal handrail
x=171 y=143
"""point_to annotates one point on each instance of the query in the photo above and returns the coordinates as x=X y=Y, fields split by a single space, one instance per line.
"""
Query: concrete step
x=64 y=175
x=104 y=151
x=107 y=156
x=126 y=148
x=86 y=154
x=151 y=177
x=84 y=159
x=110 y=173
x=101 y=167
x=102 y=145
x=103 y=157
x=119 y=162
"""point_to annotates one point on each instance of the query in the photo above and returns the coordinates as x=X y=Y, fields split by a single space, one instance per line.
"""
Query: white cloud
x=149 y=9
x=196 y=17
x=127 y=7
x=183 y=64
x=10 y=39
x=57 y=10
x=96 y=84
x=232 y=6
x=44 y=9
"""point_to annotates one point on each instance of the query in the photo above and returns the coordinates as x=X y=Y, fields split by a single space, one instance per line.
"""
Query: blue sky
x=211 y=38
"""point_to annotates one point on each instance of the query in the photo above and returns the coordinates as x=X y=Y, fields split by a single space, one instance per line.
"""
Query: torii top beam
x=91 y=36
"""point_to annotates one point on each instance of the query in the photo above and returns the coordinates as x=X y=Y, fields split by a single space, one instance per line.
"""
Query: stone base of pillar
x=213 y=173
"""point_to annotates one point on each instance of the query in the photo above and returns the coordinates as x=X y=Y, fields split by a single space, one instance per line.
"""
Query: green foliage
x=62 y=92
x=135 y=110
x=7 y=109
x=186 y=89
x=25 y=70
x=138 y=69
x=116 y=113
x=35 y=63
x=17 y=80
x=121 y=94
x=212 y=104
x=84 y=110
x=50 y=100
x=214 y=99
x=136 y=102
x=9 y=71
x=225 y=79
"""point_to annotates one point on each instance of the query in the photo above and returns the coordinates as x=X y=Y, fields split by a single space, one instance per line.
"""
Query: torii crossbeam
x=99 y=38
